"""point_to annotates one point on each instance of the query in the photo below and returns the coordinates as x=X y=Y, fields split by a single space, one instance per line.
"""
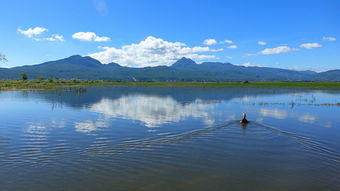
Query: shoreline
x=19 y=85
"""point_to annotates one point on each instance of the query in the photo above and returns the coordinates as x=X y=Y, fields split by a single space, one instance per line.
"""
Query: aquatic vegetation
x=53 y=83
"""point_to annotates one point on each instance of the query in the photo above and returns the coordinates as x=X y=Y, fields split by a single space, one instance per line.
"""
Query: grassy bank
x=48 y=84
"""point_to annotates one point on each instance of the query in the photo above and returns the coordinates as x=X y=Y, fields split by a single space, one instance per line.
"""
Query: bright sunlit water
x=167 y=138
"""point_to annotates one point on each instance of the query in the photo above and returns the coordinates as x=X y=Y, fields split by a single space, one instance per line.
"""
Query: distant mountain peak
x=184 y=69
x=75 y=56
x=114 y=64
x=183 y=62
x=76 y=60
x=184 y=58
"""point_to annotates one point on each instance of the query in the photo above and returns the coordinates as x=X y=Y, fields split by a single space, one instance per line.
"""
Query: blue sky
x=294 y=34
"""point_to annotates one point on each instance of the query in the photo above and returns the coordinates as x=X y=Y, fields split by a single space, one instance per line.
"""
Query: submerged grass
x=49 y=84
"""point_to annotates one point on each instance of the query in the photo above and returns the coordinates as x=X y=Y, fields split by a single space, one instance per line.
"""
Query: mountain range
x=88 y=68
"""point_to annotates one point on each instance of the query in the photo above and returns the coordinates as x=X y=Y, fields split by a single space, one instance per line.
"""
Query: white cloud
x=262 y=43
x=232 y=46
x=55 y=37
x=329 y=38
x=32 y=31
x=227 y=41
x=296 y=68
x=310 y=45
x=210 y=41
x=250 y=54
x=229 y=57
x=37 y=31
x=277 y=50
x=248 y=64
x=89 y=36
x=151 y=52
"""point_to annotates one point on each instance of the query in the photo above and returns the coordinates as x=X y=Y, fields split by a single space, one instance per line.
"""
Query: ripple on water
x=223 y=154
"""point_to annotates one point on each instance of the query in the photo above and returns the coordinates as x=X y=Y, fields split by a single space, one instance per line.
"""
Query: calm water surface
x=157 y=138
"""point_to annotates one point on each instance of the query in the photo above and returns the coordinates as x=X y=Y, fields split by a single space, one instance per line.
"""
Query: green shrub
x=41 y=78
x=24 y=76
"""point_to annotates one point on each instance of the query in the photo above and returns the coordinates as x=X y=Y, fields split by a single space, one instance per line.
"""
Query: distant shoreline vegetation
x=42 y=84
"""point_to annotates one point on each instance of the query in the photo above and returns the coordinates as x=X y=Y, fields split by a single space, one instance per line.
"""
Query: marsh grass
x=51 y=84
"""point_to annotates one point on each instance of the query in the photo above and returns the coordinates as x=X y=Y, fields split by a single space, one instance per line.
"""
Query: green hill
x=182 y=70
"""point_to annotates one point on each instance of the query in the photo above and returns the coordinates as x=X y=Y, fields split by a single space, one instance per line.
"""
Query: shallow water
x=157 y=138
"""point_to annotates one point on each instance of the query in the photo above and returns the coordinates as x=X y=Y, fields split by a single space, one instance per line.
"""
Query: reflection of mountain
x=155 y=106
x=182 y=95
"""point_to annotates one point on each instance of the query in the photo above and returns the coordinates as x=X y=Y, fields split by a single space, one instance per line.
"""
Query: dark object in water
x=244 y=120
x=245 y=82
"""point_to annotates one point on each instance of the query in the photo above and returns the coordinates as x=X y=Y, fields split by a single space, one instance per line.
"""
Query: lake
x=170 y=138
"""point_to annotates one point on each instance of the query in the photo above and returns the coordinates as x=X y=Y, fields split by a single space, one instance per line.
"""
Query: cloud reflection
x=307 y=118
x=38 y=131
x=89 y=126
x=274 y=113
x=153 y=111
